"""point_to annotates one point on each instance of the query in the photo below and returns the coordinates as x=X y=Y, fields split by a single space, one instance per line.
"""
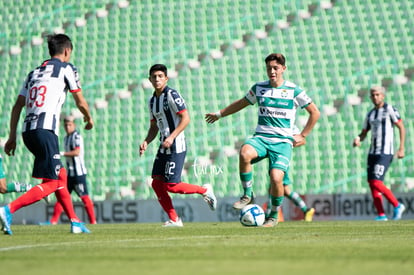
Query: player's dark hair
x=57 y=43
x=69 y=119
x=158 y=67
x=278 y=57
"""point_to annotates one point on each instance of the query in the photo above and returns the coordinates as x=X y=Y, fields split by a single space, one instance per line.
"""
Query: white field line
x=31 y=246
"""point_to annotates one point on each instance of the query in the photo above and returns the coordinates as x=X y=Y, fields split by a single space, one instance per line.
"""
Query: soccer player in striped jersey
x=169 y=117
x=277 y=100
x=13 y=186
x=380 y=121
x=43 y=94
x=75 y=164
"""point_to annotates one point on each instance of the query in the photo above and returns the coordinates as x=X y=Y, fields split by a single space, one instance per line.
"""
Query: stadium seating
x=334 y=54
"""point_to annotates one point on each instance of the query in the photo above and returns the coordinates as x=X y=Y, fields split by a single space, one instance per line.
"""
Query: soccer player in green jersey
x=293 y=196
x=277 y=100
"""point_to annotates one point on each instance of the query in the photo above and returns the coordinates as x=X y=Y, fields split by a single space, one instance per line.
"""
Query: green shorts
x=286 y=179
x=2 y=174
x=279 y=154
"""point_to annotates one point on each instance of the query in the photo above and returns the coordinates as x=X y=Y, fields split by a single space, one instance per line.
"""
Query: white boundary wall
x=328 y=207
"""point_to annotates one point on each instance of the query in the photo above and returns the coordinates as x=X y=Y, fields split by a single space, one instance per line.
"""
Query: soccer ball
x=252 y=215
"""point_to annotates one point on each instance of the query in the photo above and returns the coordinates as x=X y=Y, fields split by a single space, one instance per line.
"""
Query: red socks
x=162 y=188
x=377 y=198
x=87 y=202
x=185 y=188
x=164 y=199
x=42 y=190
x=63 y=196
x=377 y=189
x=90 y=211
x=35 y=194
x=57 y=211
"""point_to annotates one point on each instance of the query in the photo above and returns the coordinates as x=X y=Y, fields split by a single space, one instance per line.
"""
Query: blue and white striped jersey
x=277 y=109
x=381 y=123
x=165 y=109
x=75 y=165
x=45 y=91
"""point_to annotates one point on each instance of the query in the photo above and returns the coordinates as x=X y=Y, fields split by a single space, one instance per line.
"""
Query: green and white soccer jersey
x=277 y=108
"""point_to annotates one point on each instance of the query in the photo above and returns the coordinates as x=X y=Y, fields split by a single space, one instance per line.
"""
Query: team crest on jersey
x=284 y=93
x=57 y=169
x=179 y=101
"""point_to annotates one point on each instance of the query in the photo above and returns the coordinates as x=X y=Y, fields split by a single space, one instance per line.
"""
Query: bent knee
x=248 y=153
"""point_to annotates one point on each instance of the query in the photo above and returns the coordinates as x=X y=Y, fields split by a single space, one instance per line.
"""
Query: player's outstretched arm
x=184 y=121
x=72 y=153
x=314 y=115
x=231 y=109
x=359 y=138
x=152 y=133
x=10 y=145
x=84 y=108
x=401 y=129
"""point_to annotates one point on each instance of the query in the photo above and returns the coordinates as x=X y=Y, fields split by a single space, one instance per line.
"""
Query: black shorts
x=169 y=166
x=378 y=166
x=78 y=183
x=44 y=146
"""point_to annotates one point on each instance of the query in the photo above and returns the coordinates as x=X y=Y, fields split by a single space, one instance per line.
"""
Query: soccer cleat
x=309 y=214
x=6 y=219
x=209 y=197
x=170 y=223
x=78 y=227
x=398 y=211
x=381 y=218
x=270 y=222
x=244 y=200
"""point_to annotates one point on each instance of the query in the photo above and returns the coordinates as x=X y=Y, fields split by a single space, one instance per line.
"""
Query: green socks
x=246 y=179
x=18 y=187
x=297 y=200
x=276 y=204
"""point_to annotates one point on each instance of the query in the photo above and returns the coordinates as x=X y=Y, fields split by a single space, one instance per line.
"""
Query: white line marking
x=21 y=247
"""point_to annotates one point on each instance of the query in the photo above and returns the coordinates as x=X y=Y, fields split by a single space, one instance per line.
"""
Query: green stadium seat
x=323 y=55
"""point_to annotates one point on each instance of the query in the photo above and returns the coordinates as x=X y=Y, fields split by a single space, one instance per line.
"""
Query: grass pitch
x=342 y=247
